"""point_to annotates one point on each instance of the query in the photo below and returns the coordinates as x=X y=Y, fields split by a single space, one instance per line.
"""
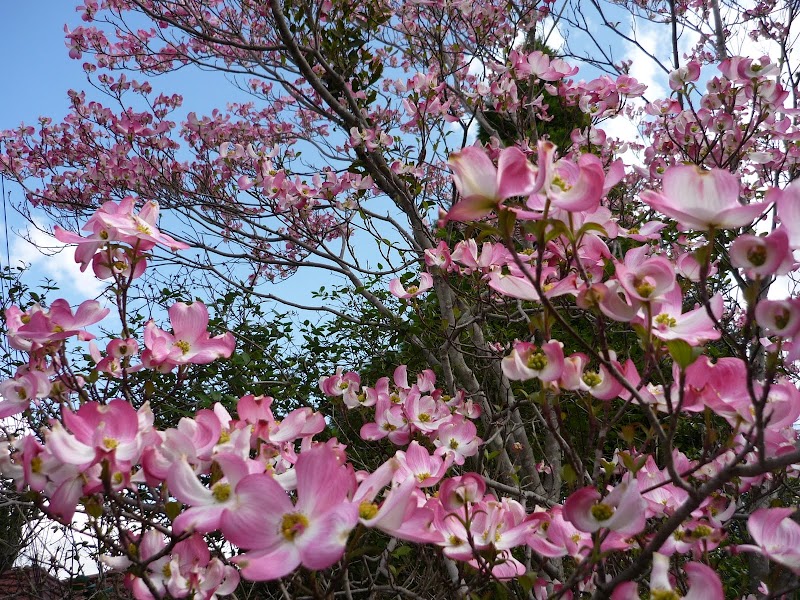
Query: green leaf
x=591 y=227
x=93 y=507
x=526 y=582
x=401 y=551
x=568 y=474
x=172 y=510
x=682 y=353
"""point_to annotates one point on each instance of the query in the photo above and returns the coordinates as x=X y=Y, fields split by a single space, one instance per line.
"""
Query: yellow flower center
x=221 y=491
x=537 y=361
x=143 y=228
x=293 y=524
x=701 y=531
x=662 y=594
x=644 y=288
x=665 y=319
x=561 y=184
x=602 y=512
x=36 y=465
x=592 y=378
x=367 y=510
x=183 y=345
x=110 y=443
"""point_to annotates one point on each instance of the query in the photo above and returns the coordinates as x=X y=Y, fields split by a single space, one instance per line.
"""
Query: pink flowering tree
x=595 y=389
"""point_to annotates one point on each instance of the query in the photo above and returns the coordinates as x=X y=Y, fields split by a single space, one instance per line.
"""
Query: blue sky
x=37 y=73
x=37 y=76
x=37 y=70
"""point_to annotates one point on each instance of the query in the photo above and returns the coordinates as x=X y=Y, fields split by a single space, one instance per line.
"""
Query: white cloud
x=624 y=129
x=550 y=32
x=47 y=257
x=644 y=68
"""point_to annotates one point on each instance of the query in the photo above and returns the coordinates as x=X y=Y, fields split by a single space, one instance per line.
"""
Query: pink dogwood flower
x=623 y=510
x=761 y=256
x=398 y=290
x=313 y=532
x=704 y=583
x=98 y=432
x=483 y=186
x=775 y=535
x=189 y=341
x=700 y=199
x=779 y=317
x=526 y=361
x=568 y=185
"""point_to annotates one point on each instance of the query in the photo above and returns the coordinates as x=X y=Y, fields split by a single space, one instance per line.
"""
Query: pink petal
x=704 y=583
x=266 y=565
x=325 y=542
x=249 y=525
x=578 y=507
x=189 y=321
x=516 y=176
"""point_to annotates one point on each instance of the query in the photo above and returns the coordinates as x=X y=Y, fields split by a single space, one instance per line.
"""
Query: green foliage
x=563 y=118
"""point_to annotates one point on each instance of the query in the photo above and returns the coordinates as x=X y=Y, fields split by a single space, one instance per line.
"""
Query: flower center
x=367 y=510
x=221 y=491
x=757 y=256
x=293 y=524
x=644 y=287
x=602 y=512
x=782 y=319
x=592 y=378
x=701 y=531
x=665 y=320
x=561 y=184
x=143 y=228
x=537 y=361
x=183 y=345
